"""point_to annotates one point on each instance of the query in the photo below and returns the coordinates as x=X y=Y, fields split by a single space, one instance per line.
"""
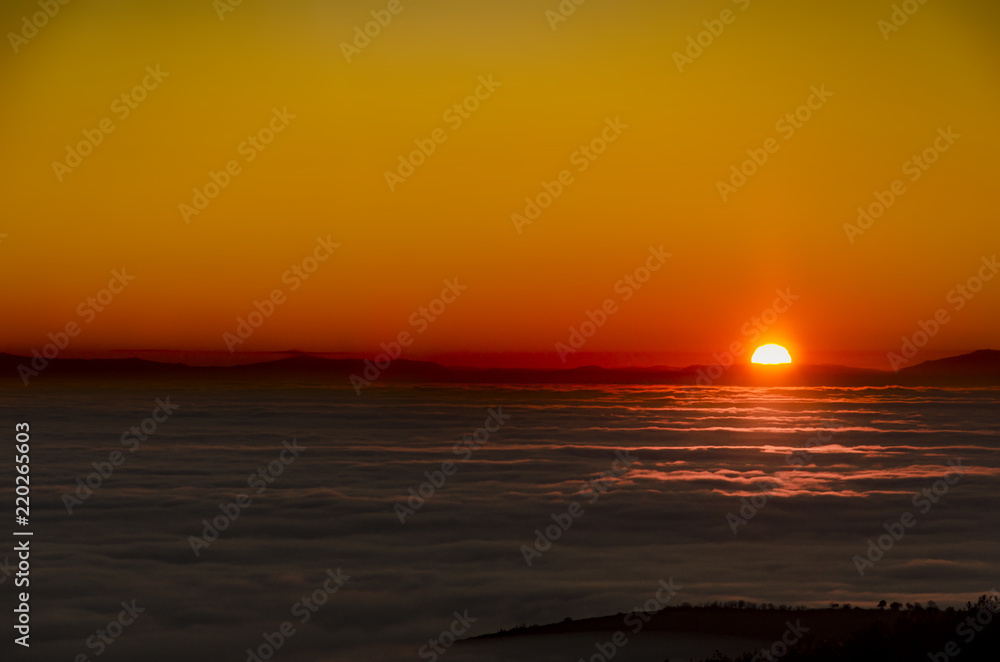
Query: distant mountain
x=980 y=368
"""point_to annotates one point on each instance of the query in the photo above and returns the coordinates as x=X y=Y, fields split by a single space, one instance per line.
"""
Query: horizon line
x=262 y=357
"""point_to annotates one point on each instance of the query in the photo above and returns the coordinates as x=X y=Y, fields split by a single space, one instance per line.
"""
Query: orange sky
x=608 y=72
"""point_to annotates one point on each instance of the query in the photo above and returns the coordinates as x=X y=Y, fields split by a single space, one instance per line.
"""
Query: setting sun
x=771 y=354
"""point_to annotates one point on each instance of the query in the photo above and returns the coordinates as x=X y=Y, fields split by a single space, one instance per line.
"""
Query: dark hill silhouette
x=834 y=635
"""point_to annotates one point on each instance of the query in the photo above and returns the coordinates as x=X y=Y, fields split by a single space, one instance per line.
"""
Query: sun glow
x=771 y=354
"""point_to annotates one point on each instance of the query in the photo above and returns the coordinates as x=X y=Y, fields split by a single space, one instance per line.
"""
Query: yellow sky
x=324 y=173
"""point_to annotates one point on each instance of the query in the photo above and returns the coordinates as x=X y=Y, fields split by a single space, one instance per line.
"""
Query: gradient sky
x=656 y=185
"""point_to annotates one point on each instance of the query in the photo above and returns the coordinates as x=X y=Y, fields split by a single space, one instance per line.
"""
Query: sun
x=771 y=354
